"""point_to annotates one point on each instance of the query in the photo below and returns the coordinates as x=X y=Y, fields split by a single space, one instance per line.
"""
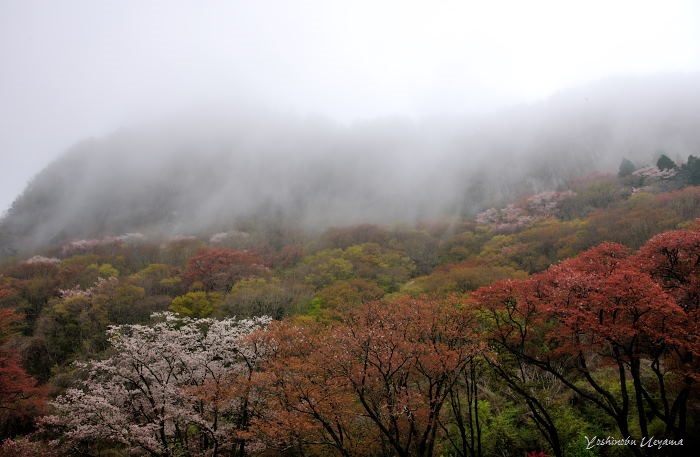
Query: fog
x=218 y=169
x=384 y=99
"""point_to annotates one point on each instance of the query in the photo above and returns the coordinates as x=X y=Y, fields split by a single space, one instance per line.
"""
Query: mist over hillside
x=202 y=173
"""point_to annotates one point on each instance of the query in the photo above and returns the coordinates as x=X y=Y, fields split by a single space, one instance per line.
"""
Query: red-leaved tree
x=219 y=268
x=605 y=329
x=673 y=261
x=20 y=397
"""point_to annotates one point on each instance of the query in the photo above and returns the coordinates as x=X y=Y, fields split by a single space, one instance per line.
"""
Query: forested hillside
x=396 y=228
x=203 y=174
x=535 y=327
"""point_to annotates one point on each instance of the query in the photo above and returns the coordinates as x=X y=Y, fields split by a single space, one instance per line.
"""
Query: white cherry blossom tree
x=177 y=387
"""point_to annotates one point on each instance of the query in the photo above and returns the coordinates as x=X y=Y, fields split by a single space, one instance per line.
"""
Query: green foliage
x=73 y=325
x=154 y=272
x=264 y=296
x=124 y=304
x=495 y=250
x=572 y=427
x=461 y=277
x=506 y=432
x=547 y=242
x=631 y=222
x=344 y=237
x=83 y=270
x=419 y=246
x=463 y=245
x=106 y=271
x=350 y=292
x=592 y=193
x=386 y=267
x=196 y=304
x=324 y=268
x=626 y=168
x=682 y=204
x=665 y=163
x=578 y=448
x=692 y=170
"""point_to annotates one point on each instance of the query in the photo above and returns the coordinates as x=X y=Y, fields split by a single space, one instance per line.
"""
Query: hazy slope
x=203 y=173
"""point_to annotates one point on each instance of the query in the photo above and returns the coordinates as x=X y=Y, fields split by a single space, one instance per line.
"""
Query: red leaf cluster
x=20 y=398
x=220 y=268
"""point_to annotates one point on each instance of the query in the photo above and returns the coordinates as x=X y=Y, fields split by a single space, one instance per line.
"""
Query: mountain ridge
x=201 y=174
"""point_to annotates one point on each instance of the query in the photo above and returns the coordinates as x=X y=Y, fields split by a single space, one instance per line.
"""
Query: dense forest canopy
x=254 y=285
x=544 y=326
x=396 y=228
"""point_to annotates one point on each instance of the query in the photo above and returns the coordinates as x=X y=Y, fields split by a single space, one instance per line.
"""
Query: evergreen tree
x=664 y=163
x=692 y=170
x=626 y=168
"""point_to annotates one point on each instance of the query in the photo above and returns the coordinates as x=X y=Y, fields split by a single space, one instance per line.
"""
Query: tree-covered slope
x=199 y=174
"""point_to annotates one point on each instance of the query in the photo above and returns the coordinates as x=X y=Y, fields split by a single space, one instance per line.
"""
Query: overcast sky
x=73 y=69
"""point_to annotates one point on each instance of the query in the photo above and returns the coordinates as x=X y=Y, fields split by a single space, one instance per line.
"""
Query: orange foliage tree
x=378 y=378
x=307 y=404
